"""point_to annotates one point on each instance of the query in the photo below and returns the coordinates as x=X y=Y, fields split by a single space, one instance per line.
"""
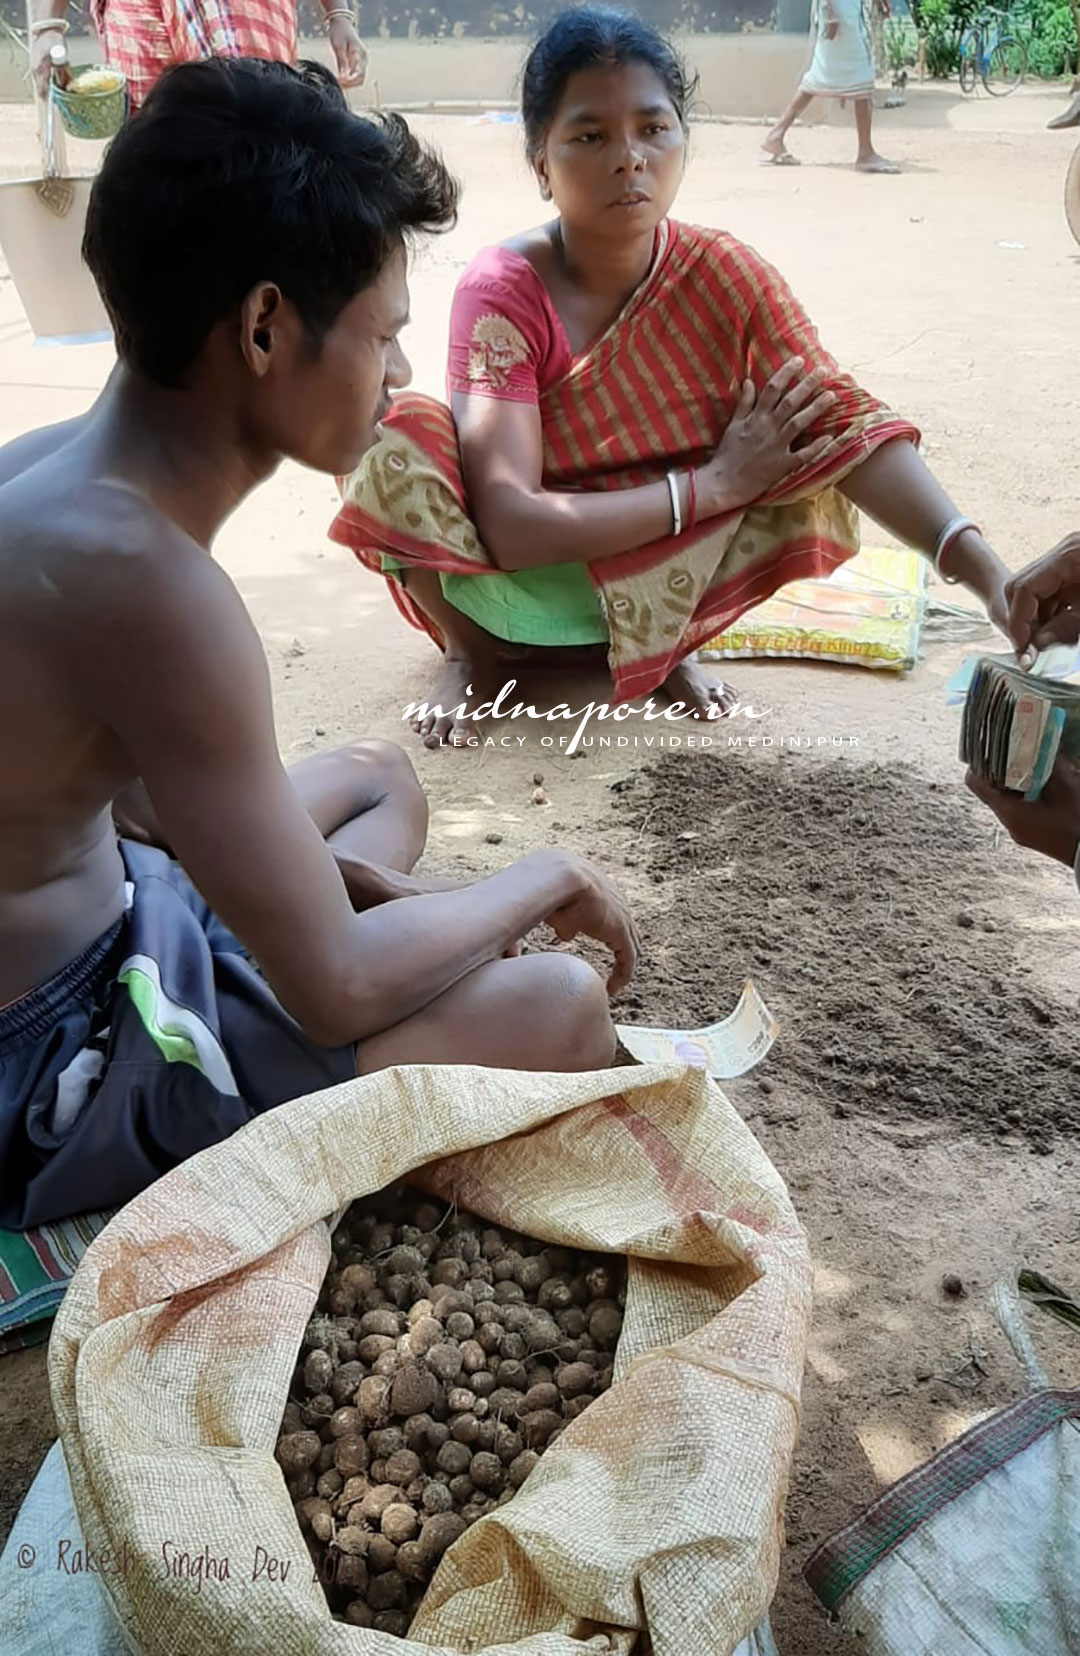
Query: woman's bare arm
x=898 y=490
x=523 y=525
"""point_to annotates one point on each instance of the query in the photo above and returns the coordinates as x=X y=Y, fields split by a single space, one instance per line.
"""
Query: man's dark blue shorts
x=162 y=1038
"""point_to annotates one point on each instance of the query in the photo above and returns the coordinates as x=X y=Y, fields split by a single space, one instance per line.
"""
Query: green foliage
x=943 y=24
x=1048 y=30
x=901 y=44
x=1046 y=27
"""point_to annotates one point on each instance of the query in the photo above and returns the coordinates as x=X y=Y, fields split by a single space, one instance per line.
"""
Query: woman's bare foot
x=875 y=163
x=707 y=697
x=462 y=685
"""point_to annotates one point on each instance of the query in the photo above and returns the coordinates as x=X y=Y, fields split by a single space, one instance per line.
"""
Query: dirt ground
x=922 y=1100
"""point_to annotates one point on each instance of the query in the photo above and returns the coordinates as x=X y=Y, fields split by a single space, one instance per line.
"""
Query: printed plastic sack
x=978 y=1550
x=659 y=1509
x=50 y=1604
x=60 y=1608
x=867 y=613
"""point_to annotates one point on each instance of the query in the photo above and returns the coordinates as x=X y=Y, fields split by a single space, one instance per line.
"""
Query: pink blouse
x=506 y=339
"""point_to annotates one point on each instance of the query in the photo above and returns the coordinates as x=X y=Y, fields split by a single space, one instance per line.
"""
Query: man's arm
x=171 y=661
x=367 y=883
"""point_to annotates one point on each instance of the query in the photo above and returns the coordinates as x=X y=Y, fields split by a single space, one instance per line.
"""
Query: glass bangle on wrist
x=45 y=25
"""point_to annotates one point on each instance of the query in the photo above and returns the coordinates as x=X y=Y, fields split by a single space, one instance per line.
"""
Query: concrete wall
x=741 y=74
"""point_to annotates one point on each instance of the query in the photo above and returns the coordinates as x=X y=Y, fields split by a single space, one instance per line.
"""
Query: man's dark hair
x=237 y=171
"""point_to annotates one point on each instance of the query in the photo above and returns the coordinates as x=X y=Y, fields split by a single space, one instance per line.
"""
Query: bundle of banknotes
x=1015 y=724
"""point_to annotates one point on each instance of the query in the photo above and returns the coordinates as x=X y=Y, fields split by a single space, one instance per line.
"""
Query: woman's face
x=613 y=157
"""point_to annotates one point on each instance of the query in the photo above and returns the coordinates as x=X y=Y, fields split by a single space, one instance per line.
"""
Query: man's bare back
x=61 y=877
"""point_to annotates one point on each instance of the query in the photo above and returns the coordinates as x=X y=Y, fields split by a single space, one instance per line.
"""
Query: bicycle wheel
x=1005 y=67
x=1072 y=195
x=969 y=68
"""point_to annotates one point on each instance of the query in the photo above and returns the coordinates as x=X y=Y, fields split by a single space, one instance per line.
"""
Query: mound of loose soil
x=863 y=902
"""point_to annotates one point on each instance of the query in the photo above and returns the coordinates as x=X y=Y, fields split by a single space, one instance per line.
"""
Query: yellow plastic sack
x=658 y=1510
x=867 y=613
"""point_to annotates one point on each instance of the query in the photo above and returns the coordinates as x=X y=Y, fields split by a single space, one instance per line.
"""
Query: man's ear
x=262 y=321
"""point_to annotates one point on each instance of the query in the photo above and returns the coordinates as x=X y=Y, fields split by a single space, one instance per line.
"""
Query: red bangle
x=691 y=504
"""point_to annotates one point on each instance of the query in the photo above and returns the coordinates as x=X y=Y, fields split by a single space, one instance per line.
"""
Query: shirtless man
x=248 y=235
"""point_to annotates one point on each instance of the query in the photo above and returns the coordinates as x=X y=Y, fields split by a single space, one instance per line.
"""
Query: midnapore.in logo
x=673 y=712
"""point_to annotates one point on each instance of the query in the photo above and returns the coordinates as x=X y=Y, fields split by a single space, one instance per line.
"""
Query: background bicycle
x=991 y=52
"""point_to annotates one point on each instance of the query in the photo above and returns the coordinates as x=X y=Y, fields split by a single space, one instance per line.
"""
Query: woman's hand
x=350 y=53
x=831 y=24
x=758 y=449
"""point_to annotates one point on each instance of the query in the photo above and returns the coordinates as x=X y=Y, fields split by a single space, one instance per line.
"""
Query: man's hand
x=598 y=910
x=997 y=609
x=1049 y=824
x=350 y=53
x=1044 y=599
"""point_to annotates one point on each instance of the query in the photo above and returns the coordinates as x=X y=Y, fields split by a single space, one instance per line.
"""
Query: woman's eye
x=588 y=137
x=653 y=130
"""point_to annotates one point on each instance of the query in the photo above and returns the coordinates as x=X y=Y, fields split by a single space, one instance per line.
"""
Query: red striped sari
x=142 y=38
x=657 y=390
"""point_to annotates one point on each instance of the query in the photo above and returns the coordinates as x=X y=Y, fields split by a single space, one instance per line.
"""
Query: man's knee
x=386 y=764
x=582 y=1014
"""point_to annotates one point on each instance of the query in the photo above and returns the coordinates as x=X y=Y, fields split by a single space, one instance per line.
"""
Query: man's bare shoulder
x=98 y=543
x=27 y=451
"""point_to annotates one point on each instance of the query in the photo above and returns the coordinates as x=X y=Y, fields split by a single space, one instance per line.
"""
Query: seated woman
x=646 y=438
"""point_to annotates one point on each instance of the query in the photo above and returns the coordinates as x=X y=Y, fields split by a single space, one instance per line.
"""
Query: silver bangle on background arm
x=952 y=531
x=44 y=25
x=339 y=11
x=676 y=507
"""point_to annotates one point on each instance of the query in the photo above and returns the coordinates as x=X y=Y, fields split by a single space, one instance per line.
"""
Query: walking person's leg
x=774 y=151
x=868 y=160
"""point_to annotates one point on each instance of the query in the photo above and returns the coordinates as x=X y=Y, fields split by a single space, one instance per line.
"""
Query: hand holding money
x=1044 y=599
x=1015 y=724
x=1049 y=824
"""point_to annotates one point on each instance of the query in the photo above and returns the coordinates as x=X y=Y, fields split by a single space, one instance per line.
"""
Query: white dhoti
x=844 y=66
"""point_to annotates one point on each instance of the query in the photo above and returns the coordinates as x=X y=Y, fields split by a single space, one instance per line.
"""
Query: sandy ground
x=952 y=291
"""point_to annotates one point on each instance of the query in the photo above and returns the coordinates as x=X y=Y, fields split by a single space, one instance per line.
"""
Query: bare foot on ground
x=462 y=685
x=707 y=697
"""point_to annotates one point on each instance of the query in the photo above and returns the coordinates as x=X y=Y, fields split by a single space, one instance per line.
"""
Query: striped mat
x=35 y=1269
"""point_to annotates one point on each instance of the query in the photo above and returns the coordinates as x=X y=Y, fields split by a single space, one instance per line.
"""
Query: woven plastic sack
x=659 y=1509
x=976 y=1552
x=867 y=613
